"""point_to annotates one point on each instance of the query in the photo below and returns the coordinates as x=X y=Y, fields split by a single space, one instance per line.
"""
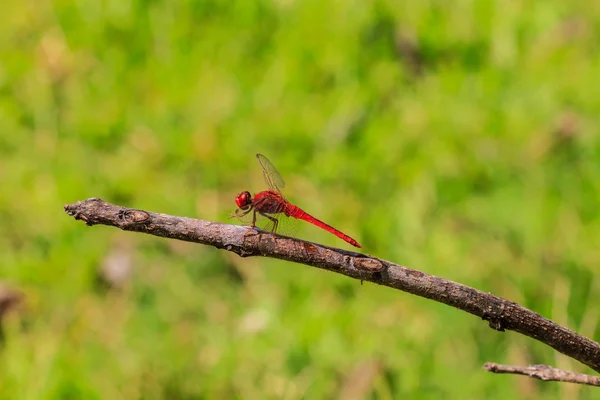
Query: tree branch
x=500 y=313
x=544 y=372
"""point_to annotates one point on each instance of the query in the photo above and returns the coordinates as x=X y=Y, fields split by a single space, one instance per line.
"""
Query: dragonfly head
x=243 y=200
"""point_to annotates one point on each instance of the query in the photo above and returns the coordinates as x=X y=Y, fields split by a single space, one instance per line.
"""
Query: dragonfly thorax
x=243 y=200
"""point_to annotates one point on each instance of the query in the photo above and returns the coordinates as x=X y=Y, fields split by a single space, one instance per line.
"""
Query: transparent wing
x=286 y=226
x=273 y=180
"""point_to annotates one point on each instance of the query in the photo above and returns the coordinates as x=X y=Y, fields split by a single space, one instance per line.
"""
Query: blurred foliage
x=459 y=138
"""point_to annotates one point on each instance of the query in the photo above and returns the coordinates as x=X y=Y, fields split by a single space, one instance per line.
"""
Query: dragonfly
x=272 y=204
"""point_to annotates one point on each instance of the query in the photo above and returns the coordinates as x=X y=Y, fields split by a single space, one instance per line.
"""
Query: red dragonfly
x=271 y=203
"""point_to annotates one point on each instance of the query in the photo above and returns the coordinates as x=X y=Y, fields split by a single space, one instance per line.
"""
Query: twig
x=502 y=314
x=543 y=372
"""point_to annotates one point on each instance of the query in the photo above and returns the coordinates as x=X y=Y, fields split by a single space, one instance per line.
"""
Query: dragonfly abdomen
x=296 y=212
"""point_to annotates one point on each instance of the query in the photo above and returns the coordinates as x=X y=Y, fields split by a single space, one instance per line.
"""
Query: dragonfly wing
x=272 y=178
x=286 y=226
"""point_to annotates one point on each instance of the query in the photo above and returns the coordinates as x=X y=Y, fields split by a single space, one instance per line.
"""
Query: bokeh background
x=459 y=138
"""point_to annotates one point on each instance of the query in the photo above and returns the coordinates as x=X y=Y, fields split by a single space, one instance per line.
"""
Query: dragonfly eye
x=243 y=200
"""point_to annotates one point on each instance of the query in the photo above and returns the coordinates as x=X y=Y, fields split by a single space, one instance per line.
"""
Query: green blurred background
x=458 y=138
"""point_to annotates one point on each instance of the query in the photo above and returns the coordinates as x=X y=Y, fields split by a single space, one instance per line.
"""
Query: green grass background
x=458 y=138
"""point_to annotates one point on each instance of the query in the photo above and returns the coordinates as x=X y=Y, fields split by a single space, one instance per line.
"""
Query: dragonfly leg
x=273 y=219
x=251 y=230
x=239 y=213
x=254 y=218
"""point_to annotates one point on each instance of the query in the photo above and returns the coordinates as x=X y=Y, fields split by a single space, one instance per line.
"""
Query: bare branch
x=501 y=314
x=544 y=372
